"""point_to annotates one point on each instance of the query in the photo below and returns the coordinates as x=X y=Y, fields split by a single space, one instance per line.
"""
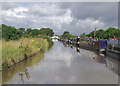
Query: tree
x=22 y=29
x=10 y=33
x=34 y=32
x=110 y=33
x=91 y=34
x=3 y=25
x=46 y=31
x=99 y=33
x=28 y=30
x=83 y=35
x=19 y=33
x=66 y=34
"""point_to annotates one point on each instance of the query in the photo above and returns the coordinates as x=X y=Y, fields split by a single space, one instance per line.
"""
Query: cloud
x=83 y=26
x=46 y=10
x=76 y=17
x=9 y=5
x=108 y=11
x=18 y=12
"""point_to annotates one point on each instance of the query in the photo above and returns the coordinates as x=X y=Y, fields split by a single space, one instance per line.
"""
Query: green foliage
x=28 y=30
x=22 y=29
x=83 y=35
x=72 y=36
x=99 y=33
x=16 y=50
x=34 y=32
x=66 y=34
x=11 y=33
x=110 y=33
x=46 y=31
x=3 y=25
x=0 y=33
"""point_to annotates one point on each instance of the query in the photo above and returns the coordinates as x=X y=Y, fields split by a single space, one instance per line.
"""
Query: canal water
x=63 y=64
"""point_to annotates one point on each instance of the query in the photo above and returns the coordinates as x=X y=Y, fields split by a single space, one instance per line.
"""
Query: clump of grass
x=0 y=62
x=0 y=53
x=17 y=50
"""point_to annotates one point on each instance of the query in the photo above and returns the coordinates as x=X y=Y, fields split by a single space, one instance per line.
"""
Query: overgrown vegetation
x=67 y=35
x=18 y=50
x=19 y=44
x=110 y=33
x=11 y=33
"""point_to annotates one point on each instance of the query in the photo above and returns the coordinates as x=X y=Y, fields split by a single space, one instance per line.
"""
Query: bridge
x=55 y=37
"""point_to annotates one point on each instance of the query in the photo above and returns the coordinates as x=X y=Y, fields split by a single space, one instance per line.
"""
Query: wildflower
x=22 y=39
x=32 y=40
x=21 y=43
x=27 y=45
x=37 y=39
x=38 y=48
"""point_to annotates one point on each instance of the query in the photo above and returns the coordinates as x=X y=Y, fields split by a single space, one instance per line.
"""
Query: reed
x=18 y=50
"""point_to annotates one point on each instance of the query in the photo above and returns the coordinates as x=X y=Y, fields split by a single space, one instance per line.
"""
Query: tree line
x=12 y=33
x=110 y=33
x=100 y=34
x=67 y=35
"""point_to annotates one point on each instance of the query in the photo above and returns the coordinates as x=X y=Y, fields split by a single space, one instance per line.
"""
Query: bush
x=10 y=33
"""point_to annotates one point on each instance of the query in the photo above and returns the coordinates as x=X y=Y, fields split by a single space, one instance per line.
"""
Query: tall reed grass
x=0 y=62
x=17 y=50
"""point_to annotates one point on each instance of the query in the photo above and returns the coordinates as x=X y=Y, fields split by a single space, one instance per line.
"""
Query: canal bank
x=113 y=54
x=63 y=64
x=16 y=51
x=99 y=46
x=107 y=52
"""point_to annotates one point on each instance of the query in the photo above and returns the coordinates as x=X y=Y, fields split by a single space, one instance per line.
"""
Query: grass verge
x=18 y=50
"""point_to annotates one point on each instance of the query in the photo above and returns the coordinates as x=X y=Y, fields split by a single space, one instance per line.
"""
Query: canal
x=63 y=64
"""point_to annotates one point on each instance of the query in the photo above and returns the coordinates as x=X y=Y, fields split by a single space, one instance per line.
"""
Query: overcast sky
x=76 y=17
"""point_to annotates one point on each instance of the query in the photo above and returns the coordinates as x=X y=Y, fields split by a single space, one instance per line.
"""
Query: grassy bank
x=18 y=50
x=0 y=63
x=0 y=53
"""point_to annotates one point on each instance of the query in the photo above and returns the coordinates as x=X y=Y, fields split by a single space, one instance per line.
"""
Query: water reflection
x=25 y=73
x=112 y=65
x=21 y=76
x=65 y=44
x=78 y=49
x=71 y=46
x=100 y=58
x=63 y=64
x=21 y=67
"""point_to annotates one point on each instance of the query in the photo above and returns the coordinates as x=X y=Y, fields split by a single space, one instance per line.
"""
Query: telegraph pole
x=94 y=33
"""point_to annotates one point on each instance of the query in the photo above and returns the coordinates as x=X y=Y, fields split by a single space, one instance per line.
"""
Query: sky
x=75 y=17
